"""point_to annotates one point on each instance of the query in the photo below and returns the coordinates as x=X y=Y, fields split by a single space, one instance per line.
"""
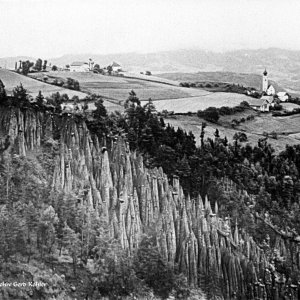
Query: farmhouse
x=263 y=104
x=116 y=67
x=79 y=66
x=283 y=96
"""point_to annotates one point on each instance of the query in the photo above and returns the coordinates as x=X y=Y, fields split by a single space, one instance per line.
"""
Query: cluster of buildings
x=81 y=66
x=269 y=96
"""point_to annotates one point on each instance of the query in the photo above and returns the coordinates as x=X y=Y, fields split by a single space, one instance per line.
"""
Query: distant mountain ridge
x=283 y=65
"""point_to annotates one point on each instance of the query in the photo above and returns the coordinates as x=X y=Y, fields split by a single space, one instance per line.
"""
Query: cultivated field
x=289 y=106
x=12 y=79
x=193 y=104
x=281 y=125
x=117 y=88
x=253 y=129
x=245 y=79
x=165 y=95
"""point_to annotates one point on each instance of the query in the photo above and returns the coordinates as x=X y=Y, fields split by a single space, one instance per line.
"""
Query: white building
x=116 y=67
x=271 y=90
x=263 y=104
x=283 y=96
x=79 y=66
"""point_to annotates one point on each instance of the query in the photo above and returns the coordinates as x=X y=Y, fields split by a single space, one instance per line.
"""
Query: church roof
x=265 y=73
x=269 y=99
x=280 y=94
x=115 y=64
x=256 y=102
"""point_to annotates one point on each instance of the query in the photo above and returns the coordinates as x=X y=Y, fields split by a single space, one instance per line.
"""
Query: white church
x=266 y=87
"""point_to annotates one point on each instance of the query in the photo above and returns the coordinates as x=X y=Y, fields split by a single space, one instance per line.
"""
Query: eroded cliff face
x=131 y=198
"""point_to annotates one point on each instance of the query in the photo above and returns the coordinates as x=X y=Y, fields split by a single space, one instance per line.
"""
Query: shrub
x=211 y=114
x=273 y=135
x=72 y=84
x=184 y=84
x=244 y=104
x=153 y=269
x=240 y=136
x=225 y=110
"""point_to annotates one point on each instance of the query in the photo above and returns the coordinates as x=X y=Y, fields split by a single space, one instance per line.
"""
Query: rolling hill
x=12 y=79
x=283 y=65
x=166 y=95
x=244 y=79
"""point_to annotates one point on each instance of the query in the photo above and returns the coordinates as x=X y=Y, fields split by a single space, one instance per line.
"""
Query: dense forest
x=122 y=205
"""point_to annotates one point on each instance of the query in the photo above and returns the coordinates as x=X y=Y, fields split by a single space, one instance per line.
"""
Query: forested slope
x=99 y=205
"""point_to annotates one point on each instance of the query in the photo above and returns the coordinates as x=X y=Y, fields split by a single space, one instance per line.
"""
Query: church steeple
x=265 y=82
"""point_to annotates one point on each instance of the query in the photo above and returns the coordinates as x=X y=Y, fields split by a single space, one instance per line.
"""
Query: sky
x=52 y=28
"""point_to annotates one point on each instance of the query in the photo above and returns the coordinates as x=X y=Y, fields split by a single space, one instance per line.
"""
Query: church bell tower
x=265 y=82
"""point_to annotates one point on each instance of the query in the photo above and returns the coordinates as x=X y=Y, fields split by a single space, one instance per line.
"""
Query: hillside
x=244 y=79
x=12 y=79
x=113 y=186
x=287 y=128
x=283 y=65
x=167 y=95
x=124 y=206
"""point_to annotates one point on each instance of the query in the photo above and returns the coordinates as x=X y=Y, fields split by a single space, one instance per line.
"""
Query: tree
x=54 y=68
x=20 y=96
x=45 y=65
x=132 y=99
x=11 y=234
x=46 y=230
x=31 y=221
x=109 y=69
x=100 y=111
x=70 y=241
x=240 y=137
x=38 y=65
x=97 y=68
x=26 y=65
x=3 y=96
x=152 y=268
x=72 y=84
x=211 y=114
x=40 y=99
